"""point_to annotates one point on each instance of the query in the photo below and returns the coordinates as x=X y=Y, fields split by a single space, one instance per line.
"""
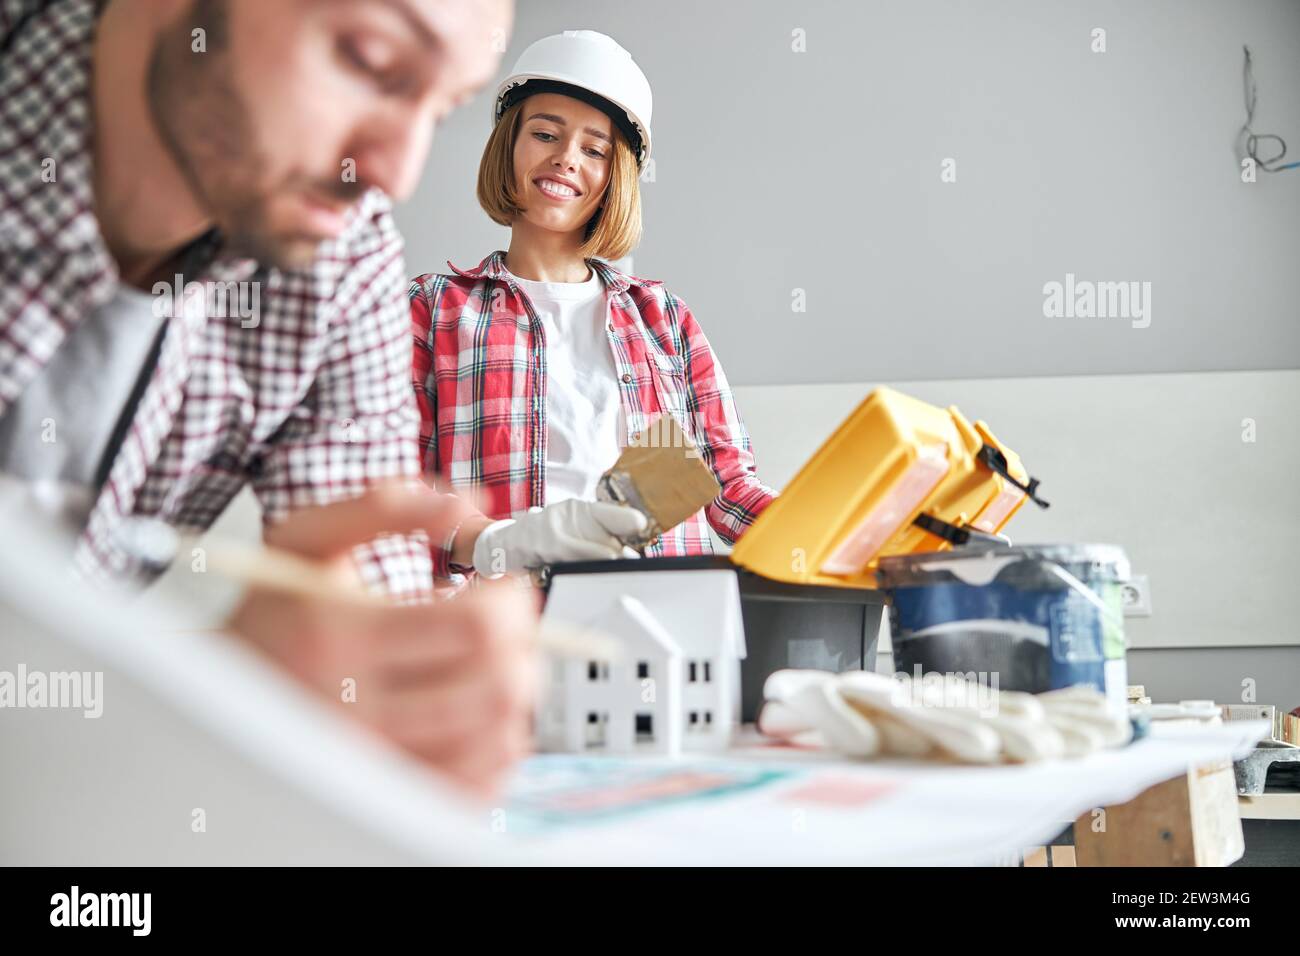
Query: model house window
x=597 y=670
x=695 y=717
x=642 y=669
x=645 y=727
x=707 y=677
x=597 y=723
x=708 y=716
x=690 y=671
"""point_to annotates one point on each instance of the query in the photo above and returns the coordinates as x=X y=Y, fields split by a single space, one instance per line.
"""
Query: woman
x=534 y=369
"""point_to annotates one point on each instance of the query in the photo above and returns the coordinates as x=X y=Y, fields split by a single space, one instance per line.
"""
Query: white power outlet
x=1135 y=593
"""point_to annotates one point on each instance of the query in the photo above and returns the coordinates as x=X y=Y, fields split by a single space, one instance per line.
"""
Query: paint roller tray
x=786 y=625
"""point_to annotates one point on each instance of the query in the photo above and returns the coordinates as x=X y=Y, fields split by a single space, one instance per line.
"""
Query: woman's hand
x=566 y=531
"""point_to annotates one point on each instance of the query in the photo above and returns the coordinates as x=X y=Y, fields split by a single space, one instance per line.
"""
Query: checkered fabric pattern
x=309 y=406
x=480 y=379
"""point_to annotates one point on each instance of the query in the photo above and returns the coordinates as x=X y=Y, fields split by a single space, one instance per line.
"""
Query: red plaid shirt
x=480 y=379
x=309 y=406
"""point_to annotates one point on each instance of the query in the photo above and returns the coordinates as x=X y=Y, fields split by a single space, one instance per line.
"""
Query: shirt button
x=627 y=379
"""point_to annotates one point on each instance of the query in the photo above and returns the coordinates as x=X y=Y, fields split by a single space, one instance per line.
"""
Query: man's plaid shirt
x=309 y=406
x=480 y=378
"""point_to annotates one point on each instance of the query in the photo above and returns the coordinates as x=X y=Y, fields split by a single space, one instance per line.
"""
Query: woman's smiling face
x=561 y=161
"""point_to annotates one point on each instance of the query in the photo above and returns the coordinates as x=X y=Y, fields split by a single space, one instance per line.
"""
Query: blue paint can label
x=1039 y=617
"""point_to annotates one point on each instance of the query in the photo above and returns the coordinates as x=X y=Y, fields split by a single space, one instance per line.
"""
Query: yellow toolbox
x=898 y=476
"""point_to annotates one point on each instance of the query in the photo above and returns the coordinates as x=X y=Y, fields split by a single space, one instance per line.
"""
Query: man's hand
x=453 y=683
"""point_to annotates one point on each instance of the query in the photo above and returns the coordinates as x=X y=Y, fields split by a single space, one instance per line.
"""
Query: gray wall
x=777 y=170
x=1218 y=673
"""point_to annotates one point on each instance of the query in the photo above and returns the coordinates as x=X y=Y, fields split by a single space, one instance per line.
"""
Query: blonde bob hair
x=611 y=233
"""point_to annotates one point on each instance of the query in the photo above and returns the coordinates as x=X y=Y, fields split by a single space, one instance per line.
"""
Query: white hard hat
x=578 y=62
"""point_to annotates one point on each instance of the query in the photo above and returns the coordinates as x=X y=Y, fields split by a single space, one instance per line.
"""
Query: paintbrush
x=663 y=476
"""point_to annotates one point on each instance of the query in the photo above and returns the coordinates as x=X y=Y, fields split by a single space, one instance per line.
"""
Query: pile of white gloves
x=861 y=714
x=569 y=530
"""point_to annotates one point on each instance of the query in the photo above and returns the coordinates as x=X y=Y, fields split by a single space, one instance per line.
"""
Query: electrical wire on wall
x=1253 y=140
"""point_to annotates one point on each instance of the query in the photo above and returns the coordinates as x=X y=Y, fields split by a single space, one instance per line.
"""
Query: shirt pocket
x=670 y=386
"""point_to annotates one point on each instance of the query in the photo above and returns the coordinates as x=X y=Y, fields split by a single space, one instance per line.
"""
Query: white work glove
x=1085 y=720
x=570 y=530
x=860 y=714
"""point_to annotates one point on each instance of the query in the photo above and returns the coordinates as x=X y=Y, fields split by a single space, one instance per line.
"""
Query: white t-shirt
x=583 y=411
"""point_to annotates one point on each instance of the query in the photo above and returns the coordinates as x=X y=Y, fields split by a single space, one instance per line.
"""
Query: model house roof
x=699 y=610
x=630 y=620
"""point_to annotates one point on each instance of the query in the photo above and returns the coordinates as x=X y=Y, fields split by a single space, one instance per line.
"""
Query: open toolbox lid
x=898 y=476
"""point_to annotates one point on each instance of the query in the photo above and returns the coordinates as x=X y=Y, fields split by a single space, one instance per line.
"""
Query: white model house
x=675 y=684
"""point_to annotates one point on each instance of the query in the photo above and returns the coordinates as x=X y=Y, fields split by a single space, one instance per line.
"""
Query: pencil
x=274 y=569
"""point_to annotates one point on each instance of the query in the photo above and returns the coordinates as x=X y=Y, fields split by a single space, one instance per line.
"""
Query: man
x=163 y=159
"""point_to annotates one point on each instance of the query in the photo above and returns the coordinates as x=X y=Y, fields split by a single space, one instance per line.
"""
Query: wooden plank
x=1152 y=829
x=1036 y=856
x=1216 y=822
x=1190 y=820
